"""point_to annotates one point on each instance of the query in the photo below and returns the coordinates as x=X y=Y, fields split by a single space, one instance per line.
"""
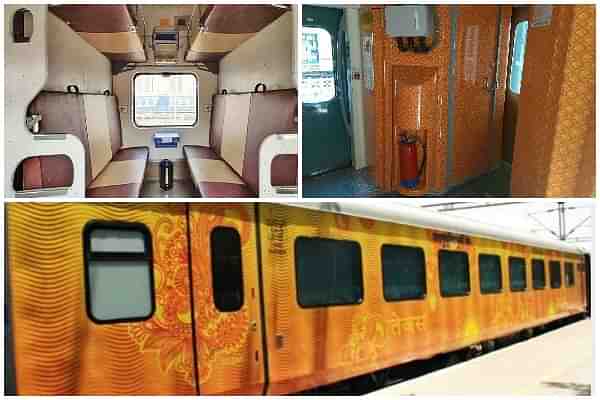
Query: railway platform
x=559 y=362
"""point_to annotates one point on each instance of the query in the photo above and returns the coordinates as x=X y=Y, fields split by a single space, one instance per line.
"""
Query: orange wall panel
x=58 y=349
x=554 y=153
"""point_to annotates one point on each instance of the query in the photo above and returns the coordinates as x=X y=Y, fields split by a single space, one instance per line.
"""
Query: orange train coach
x=262 y=298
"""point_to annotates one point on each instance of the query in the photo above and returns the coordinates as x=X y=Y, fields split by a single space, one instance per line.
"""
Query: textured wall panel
x=313 y=346
x=555 y=143
x=230 y=359
x=58 y=349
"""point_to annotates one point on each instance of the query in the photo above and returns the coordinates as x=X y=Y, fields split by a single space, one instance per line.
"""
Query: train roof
x=419 y=217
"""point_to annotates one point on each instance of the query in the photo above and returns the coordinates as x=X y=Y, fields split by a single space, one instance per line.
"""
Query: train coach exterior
x=240 y=306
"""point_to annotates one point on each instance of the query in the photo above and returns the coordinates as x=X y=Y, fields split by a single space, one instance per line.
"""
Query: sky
x=526 y=216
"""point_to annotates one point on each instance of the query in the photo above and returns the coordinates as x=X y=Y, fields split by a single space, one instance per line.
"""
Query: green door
x=325 y=141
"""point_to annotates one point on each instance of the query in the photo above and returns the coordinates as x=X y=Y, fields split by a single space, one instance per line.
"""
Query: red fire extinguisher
x=410 y=171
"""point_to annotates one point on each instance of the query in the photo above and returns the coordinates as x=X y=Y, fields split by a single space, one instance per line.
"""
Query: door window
x=317 y=66
x=119 y=281
x=228 y=281
x=518 y=57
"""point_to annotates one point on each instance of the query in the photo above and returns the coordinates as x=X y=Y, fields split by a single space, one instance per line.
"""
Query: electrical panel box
x=166 y=139
x=409 y=21
x=165 y=43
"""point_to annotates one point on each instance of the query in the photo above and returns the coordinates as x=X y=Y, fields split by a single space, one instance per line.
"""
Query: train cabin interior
x=127 y=100
x=454 y=100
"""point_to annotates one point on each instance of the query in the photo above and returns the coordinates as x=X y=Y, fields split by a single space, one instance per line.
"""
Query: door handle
x=488 y=86
x=253 y=326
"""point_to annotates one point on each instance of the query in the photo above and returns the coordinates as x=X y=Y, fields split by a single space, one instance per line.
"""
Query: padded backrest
x=270 y=112
x=216 y=122
x=235 y=129
x=93 y=119
x=46 y=172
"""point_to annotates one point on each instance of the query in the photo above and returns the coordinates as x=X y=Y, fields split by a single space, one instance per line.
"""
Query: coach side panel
x=59 y=349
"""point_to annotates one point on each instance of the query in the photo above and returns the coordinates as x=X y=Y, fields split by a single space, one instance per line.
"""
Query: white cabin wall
x=134 y=136
x=265 y=58
x=359 y=140
x=25 y=74
x=73 y=61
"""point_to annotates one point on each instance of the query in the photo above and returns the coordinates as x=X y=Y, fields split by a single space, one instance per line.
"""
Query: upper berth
x=109 y=28
x=224 y=27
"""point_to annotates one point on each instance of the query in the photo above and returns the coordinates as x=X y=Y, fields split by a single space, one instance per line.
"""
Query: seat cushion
x=199 y=152
x=127 y=190
x=132 y=153
x=123 y=176
x=212 y=176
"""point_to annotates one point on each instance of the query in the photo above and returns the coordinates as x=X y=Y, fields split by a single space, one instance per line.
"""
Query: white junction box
x=409 y=21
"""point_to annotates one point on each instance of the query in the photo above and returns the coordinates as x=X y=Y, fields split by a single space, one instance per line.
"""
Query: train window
x=454 y=273
x=490 y=274
x=569 y=275
x=538 y=274
x=165 y=100
x=555 y=277
x=403 y=272
x=328 y=272
x=118 y=272
x=517 y=274
x=227 y=276
x=318 y=83
x=518 y=57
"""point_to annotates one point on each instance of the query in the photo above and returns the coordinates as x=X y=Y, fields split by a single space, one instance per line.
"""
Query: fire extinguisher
x=410 y=171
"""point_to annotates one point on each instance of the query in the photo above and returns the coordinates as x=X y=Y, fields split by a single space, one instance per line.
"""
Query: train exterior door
x=325 y=141
x=100 y=298
x=475 y=85
x=226 y=298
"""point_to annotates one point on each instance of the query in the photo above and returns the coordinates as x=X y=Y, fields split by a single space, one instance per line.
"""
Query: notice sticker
x=542 y=16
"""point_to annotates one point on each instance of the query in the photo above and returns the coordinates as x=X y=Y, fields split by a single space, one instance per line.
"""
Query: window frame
x=463 y=294
x=533 y=285
x=407 y=298
x=512 y=57
x=572 y=265
x=334 y=70
x=362 y=279
x=196 y=99
x=212 y=269
x=500 y=289
x=559 y=271
x=510 y=281
x=89 y=256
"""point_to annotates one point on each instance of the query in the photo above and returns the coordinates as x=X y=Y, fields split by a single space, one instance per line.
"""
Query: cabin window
x=165 y=100
x=518 y=57
x=490 y=274
x=538 y=274
x=227 y=275
x=328 y=272
x=403 y=272
x=555 y=277
x=118 y=272
x=454 y=273
x=569 y=275
x=317 y=70
x=517 y=274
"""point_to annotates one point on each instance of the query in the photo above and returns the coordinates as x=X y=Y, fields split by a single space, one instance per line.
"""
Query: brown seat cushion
x=212 y=176
x=199 y=152
x=127 y=190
